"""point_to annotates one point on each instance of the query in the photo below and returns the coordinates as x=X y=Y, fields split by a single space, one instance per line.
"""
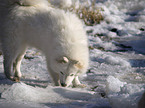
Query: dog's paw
x=16 y=79
x=80 y=86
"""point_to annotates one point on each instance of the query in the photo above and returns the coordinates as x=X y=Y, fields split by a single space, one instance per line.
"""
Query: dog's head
x=68 y=69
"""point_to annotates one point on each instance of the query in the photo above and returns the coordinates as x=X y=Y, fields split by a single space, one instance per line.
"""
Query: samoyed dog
x=58 y=34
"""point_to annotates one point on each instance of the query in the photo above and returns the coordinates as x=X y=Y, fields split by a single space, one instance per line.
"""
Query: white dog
x=58 y=34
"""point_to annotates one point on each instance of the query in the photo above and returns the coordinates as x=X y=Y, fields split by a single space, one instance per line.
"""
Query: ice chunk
x=132 y=88
x=123 y=95
x=114 y=84
x=23 y=92
x=117 y=61
x=124 y=100
x=112 y=34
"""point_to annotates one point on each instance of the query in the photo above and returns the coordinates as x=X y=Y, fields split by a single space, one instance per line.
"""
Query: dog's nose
x=63 y=85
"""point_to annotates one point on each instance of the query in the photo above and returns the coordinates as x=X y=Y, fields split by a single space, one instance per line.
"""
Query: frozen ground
x=115 y=78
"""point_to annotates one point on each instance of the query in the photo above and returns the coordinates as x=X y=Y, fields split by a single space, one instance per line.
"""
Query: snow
x=113 y=85
x=20 y=92
x=123 y=95
x=116 y=75
x=20 y=104
x=61 y=3
x=23 y=92
x=116 y=61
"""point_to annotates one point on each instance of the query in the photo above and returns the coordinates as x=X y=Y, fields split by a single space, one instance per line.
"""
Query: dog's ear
x=62 y=60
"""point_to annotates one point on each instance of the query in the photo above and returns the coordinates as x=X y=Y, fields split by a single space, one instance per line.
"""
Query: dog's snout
x=63 y=84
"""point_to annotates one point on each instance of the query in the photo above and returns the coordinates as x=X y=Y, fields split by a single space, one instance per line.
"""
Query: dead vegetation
x=91 y=15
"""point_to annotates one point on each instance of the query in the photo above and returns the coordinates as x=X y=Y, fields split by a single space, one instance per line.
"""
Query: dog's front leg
x=76 y=83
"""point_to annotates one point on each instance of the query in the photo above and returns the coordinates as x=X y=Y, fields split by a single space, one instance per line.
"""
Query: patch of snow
x=123 y=95
x=23 y=92
x=117 y=61
x=114 y=85
x=61 y=3
x=18 y=104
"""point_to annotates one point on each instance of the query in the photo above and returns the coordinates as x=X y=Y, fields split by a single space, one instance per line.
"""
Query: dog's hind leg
x=9 y=58
x=17 y=64
x=7 y=67
x=12 y=53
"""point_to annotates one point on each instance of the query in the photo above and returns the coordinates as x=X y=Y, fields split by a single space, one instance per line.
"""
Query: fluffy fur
x=58 y=34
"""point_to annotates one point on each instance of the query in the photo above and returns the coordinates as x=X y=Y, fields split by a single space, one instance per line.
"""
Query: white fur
x=58 y=34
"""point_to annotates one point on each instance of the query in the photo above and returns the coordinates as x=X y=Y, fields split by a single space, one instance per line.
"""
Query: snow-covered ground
x=115 y=78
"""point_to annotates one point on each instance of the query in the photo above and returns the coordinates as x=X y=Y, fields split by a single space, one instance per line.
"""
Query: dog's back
x=8 y=3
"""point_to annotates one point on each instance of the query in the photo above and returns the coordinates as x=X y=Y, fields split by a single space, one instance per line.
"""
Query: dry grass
x=91 y=15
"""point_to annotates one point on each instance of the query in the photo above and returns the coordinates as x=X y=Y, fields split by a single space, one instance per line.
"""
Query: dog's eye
x=62 y=73
x=62 y=61
x=72 y=75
